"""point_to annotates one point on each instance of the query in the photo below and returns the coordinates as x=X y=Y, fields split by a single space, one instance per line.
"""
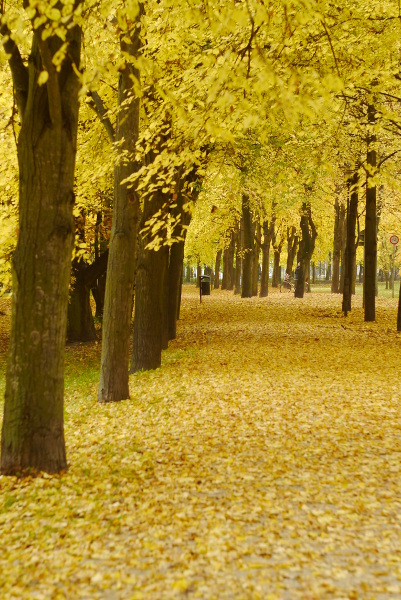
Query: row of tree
x=255 y=107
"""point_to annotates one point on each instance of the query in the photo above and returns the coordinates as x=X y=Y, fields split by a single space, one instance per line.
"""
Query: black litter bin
x=205 y=285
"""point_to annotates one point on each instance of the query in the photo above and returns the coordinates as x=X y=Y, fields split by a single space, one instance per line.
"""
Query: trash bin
x=205 y=285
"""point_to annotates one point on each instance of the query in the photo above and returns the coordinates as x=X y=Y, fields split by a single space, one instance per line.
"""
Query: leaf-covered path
x=261 y=461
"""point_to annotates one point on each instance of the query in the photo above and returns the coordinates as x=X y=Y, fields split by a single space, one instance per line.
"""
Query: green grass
x=383 y=293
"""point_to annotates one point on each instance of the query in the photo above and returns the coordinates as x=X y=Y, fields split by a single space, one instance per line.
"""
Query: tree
x=338 y=236
x=268 y=230
x=47 y=98
x=247 y=248
x=370 y=265
x=307 y=245
x=350 y=249
x=80 y=326
x=217 y=269
x=113 y=382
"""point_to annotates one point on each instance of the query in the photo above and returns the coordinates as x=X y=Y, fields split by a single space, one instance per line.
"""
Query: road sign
x=394 y=239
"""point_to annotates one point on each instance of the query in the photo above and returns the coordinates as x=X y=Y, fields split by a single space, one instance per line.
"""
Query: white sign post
x=393 y=240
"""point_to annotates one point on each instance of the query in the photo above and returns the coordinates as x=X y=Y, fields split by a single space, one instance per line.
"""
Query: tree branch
x=98 y=107
x=332 y=49
x=96 y=269
x=52 y=84
x=387 y=157
x=19 y=71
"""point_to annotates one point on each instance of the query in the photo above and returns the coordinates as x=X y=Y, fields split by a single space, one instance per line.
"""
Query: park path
x=262 y=461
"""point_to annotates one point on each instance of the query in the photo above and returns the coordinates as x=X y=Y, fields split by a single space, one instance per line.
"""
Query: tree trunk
x=307 y=273
x=174 y=286
x=149 y=296
x=81 y=327
x=255 y=260
x=307 y=247
x=176 y=262
x=353 y=282
x=343 y=232
x=33 y=433
x=165 y=251
x=225 y=269
x=328 y=270
x=350 y=244
x=99 y=291
x=264 y=284
x=237 y=286
x=276 y=266
x=292 y=244
x=198 y=273
x=113 y=381
x=188 y=274
x=230 y=263
x=217 y=270
x=370 y=228
x=247 y=249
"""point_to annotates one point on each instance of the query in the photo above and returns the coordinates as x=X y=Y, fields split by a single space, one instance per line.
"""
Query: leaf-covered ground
x=263 y=460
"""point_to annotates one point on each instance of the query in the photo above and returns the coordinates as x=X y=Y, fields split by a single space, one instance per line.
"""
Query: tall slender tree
x=113 y=383
x=350 y=249
x=307 y=246
x=370 y=223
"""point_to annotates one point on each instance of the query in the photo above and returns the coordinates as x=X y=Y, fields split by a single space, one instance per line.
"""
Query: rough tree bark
x=99 y=292
x=217 y=270
x=149 y=296
x=335 y=281
x=230 y=262
x=277 y=247
x=370 y=227
x=309 y=235
x=267 y=237
x=247 y=249
x=33 y=433
x=255 y=259
x=176 y=259
x=328 y=270
x=175 y=267
x=113 y=382
x=225 y=269
x=165 y=298
x=81 y=327
x=350 y=250
x=99 y=287
x=343 y=231
x=198 y=273
x=277 y=244
x=292 y=245
x=238 y=259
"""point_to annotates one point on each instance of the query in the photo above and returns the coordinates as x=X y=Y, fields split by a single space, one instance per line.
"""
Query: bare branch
x=96 y=104
x=332 y=49
x=387 y=158
x=19 y=71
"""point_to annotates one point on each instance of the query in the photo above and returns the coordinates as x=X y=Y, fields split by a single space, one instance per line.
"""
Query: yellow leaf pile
x=261 y=461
